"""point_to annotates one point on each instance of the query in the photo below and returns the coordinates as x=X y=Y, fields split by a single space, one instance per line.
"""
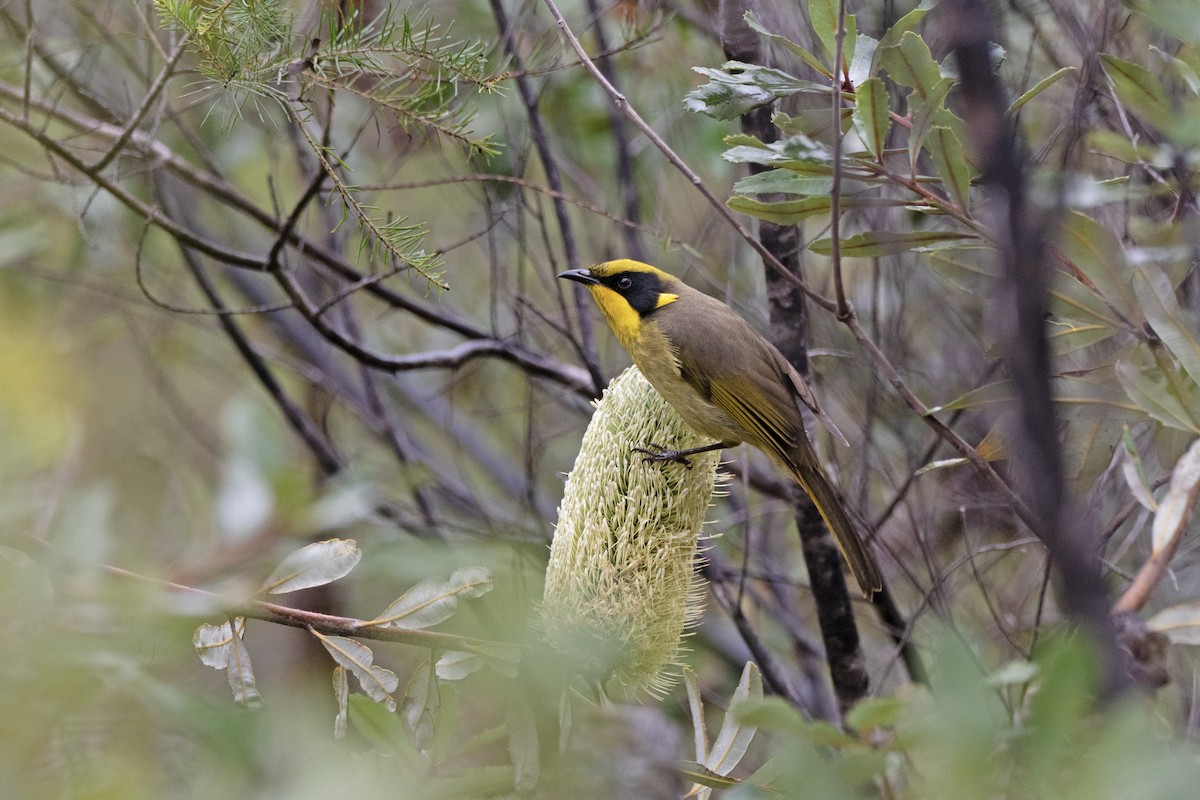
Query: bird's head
x=626 y=291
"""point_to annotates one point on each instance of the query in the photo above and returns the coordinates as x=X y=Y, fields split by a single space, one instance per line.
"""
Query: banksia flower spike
x=621 y=587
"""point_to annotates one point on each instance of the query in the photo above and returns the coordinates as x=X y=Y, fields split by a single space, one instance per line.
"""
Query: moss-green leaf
x=1139 y=89
x=871 y=115
x=886 y=243
x=1039 y=87
x=1178 y=332
x=909 y=63
x=796 y=50
x=950 y=160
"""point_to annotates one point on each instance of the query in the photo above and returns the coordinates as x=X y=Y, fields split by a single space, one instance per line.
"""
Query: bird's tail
x=811 y=477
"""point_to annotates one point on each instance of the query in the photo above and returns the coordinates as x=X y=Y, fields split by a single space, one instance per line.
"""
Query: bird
x=725 y=380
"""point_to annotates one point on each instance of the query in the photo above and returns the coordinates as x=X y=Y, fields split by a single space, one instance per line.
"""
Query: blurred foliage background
x=278 y=271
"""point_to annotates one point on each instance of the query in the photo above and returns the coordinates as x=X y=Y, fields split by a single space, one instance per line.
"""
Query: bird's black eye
x=624 y=282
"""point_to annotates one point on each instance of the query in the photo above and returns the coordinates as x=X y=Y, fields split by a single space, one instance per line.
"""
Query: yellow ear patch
x=665 y=299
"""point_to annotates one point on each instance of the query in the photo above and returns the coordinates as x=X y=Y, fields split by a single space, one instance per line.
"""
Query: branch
x=212 y=603
x=1022 y=306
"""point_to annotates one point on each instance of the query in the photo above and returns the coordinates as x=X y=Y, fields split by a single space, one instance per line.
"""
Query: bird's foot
x=657 y=454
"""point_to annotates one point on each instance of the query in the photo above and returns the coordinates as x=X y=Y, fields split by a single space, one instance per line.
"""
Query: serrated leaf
x=421 y=700
x=314 y=565
x=377 y=683
x=950 y=160
x=1135 y=472
x=1181 y=623
x=871 y=118
x=739 y=88
x=341 y=695
x=906 y=23
x=1138 y=89
x=797 y=50
x=909 y=63
x=735 y=735
x=1172 y=324
x=1178 y=504
x=1039 y=87
x=924 y=112
x=434 y=600
x=886 y=243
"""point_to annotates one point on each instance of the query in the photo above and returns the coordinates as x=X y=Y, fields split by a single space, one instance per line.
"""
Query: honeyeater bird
x=725 y=380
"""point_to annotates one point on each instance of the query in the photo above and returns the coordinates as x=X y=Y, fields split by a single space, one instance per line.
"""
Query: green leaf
x=862 y=65
x=823 y=15
x=382 y=728
x=812 y=122
x=886 y=243
x=1139 y=89
x=871 y=118
x=1183 y=70
x=1039 y=87
x=797 y=50
x=909 y=63
x=874 y=712
x=970 y=269
x=925 y=111
x=434 y=600
x=1135 y=472
x=314 y=565
x=783 y=181
x=738 y=88
x=906 y=23
x=1172 y=324
x=1154 y=395
x=1118 y=146
x=790 y=212
x=950 y=161
x=1014 y=673
x=1099 y=256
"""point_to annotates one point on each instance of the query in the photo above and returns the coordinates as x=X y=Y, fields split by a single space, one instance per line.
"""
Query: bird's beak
x=579 y=276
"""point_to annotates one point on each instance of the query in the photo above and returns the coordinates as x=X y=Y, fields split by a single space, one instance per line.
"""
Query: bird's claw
x=657 y=454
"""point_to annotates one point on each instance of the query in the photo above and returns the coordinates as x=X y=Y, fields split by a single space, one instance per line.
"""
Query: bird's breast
x=656 y=357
